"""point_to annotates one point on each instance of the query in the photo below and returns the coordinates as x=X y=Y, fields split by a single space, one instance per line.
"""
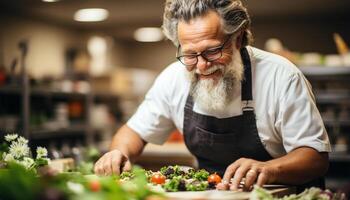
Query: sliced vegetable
x=214 y=179
x=158 y=178
x=174 y=184
x=95 y=185
x=201 y=175
x=172 y=171
x=197 y=186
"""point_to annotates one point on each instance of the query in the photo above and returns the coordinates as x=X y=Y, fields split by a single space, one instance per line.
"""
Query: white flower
x=8 y=157
x=28 y=163
x=10 y=137
x=18 y=149
x=41 y=152
x=22 y=140
x=76 y=188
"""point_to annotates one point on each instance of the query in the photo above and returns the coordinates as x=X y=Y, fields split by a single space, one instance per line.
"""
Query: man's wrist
x=276 y=170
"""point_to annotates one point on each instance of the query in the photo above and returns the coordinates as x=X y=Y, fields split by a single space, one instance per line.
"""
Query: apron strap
x=247 y=81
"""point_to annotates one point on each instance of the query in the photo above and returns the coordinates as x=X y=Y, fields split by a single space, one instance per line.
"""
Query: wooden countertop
x=167 y=149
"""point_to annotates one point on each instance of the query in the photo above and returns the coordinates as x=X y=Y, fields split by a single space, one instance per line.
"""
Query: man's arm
x=300 y=166
x=128 y=142
x=297 y=167
x=126 y=146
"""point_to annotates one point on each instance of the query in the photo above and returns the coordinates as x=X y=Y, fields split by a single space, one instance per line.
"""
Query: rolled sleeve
x=299 y=120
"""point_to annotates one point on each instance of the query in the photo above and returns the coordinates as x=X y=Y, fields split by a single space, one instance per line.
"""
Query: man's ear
x=239 y=40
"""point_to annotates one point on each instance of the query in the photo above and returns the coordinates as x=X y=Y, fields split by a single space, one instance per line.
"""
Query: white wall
x=47 y=44
x=154 y=56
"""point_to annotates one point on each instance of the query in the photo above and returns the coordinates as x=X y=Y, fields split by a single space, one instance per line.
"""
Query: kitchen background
x=67 y=83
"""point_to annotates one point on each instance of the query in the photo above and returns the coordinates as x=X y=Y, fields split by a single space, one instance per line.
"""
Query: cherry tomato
x=158 y=178
x=214 y=178
x=95 y=185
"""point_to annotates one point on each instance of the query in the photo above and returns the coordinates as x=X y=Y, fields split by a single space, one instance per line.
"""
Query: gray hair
x=234 y=16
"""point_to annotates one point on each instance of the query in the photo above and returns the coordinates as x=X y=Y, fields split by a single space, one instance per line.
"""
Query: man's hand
x=126 y=146
x=297 y=167
x=113 y=162
x=253 y=171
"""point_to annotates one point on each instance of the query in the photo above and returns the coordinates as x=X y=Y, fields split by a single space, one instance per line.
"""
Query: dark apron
x=217 y=143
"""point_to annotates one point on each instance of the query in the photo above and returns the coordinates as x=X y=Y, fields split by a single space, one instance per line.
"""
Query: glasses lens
x=212 y=54
x=188 y=60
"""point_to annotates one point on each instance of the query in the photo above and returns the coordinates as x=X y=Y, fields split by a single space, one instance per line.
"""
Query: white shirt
x=286 y=113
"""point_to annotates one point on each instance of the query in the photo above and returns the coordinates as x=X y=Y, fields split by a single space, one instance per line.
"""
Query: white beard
x=214 y=95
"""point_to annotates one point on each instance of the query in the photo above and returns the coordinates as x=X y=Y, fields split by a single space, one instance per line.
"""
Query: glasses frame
x=202 y=54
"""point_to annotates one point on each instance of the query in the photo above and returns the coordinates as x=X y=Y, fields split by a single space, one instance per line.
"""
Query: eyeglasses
x=209 y=55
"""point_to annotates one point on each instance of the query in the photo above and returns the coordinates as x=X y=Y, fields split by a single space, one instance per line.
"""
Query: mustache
x=211 y=69
x=231 y=73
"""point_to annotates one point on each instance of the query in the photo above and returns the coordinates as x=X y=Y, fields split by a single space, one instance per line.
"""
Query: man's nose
x=202 y=64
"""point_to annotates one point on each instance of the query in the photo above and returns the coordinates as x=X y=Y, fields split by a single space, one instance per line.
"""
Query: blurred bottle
x=66 y=150
x=2 y=76
x=75 y=109
x=77 y=153
x=53 y=152
x=341 y=144
x=341 y=45
x=61 y=115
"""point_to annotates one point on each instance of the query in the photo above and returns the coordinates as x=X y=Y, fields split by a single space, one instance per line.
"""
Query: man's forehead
x=207 y=27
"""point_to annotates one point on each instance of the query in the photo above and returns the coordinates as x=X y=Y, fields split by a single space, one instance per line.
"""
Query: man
x=244 y=113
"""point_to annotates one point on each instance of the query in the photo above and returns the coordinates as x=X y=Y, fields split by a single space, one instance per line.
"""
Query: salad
x=176 y=178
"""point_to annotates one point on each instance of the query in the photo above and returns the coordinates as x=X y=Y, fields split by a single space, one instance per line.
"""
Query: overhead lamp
x=50 y=1
x=148 y=34
x=91 y=15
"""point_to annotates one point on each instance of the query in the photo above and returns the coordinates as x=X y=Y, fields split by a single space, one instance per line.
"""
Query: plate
x=278 y=190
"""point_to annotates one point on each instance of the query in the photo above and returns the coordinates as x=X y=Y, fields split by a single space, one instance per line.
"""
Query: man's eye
x=212 y=51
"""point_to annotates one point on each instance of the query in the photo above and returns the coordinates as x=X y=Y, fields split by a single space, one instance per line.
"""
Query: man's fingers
x=112 y=162
x=230 y=171
x=127 y=166
x=107 y=167
x=98 y=168
x=247 y=170
x=262 y=179
x=240 y=173
x=116 y=163
x=250 y=178
x=222 y=186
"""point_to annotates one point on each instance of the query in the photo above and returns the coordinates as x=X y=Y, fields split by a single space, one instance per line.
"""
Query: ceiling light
x=50 y=1
x=91 y=15
x=148 y=34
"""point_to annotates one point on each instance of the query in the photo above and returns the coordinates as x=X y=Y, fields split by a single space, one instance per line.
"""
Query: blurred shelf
x=59 y=94
x=325 y=71
x=10 y=89
x=339 y=157
x=41 y=92
x=72 y=130
x=332 y=97
x=331 y=89
x=335 y=122
x=105 y=96
x=336 y=183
